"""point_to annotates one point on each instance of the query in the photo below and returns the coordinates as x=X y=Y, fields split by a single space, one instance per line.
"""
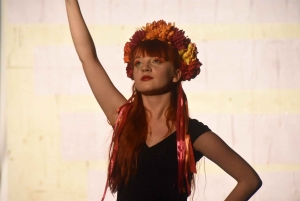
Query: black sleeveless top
x=156 y=175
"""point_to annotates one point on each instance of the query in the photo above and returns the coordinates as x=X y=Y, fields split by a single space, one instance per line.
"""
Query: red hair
x=157 y=48
x=134 y=135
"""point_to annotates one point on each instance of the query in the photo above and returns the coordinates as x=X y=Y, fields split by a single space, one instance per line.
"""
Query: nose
x=146 y=68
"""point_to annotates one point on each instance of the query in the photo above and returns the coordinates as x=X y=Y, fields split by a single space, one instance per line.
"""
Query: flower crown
x=166 y=32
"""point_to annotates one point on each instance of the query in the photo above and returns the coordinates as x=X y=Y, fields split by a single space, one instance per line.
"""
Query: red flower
x=129 y=71
x=189 y=72
x=137 y=37
x=179 y=40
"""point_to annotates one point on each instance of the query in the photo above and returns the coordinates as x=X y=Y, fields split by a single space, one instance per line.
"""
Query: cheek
x=168 y=73
x=134 y=73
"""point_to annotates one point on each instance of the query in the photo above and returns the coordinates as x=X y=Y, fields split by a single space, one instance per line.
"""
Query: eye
x=158 y=60
x=137 y=63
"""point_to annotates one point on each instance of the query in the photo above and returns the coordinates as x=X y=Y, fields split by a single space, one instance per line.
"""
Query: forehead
x=156 y=48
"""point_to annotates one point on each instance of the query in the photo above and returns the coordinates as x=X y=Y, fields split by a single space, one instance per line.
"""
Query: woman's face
x=154 y=75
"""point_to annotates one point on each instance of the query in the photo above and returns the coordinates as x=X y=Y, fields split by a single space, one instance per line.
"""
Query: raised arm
x=108 y=97
x=219 y=152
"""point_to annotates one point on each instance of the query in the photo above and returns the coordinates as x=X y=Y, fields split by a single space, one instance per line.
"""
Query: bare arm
x=219 y=152
x=108 y=97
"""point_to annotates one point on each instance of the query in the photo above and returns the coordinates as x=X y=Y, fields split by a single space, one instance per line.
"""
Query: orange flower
x=127 y=52
x=159 y=30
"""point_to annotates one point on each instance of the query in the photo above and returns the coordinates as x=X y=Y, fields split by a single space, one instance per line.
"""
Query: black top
x=156 y=175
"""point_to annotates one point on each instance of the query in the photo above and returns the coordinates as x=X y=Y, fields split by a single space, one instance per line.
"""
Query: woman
x=155 y=144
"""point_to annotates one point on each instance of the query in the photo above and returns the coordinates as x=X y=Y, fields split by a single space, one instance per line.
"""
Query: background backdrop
x=54 y=136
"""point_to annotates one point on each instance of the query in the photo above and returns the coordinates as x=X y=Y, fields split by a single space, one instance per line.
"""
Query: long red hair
x=133 y=134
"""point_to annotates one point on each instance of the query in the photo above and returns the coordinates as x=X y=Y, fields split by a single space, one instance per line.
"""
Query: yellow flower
x=189 y=54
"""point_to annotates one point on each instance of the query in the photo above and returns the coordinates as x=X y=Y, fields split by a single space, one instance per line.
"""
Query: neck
x=157 y=105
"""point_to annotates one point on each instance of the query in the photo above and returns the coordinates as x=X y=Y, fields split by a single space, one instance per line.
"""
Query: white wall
x=247 y=92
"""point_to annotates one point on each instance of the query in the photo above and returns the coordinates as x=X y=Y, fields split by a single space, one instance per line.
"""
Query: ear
x=177 y=75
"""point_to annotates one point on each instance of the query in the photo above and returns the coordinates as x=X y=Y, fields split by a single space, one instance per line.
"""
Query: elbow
x=259 y=183
x=255 y=183
x=252 y=183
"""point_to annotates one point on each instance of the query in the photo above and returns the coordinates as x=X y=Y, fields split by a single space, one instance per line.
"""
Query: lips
x=146 y=78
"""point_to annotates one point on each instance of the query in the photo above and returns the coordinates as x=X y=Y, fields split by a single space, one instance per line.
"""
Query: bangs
x=156 y=48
